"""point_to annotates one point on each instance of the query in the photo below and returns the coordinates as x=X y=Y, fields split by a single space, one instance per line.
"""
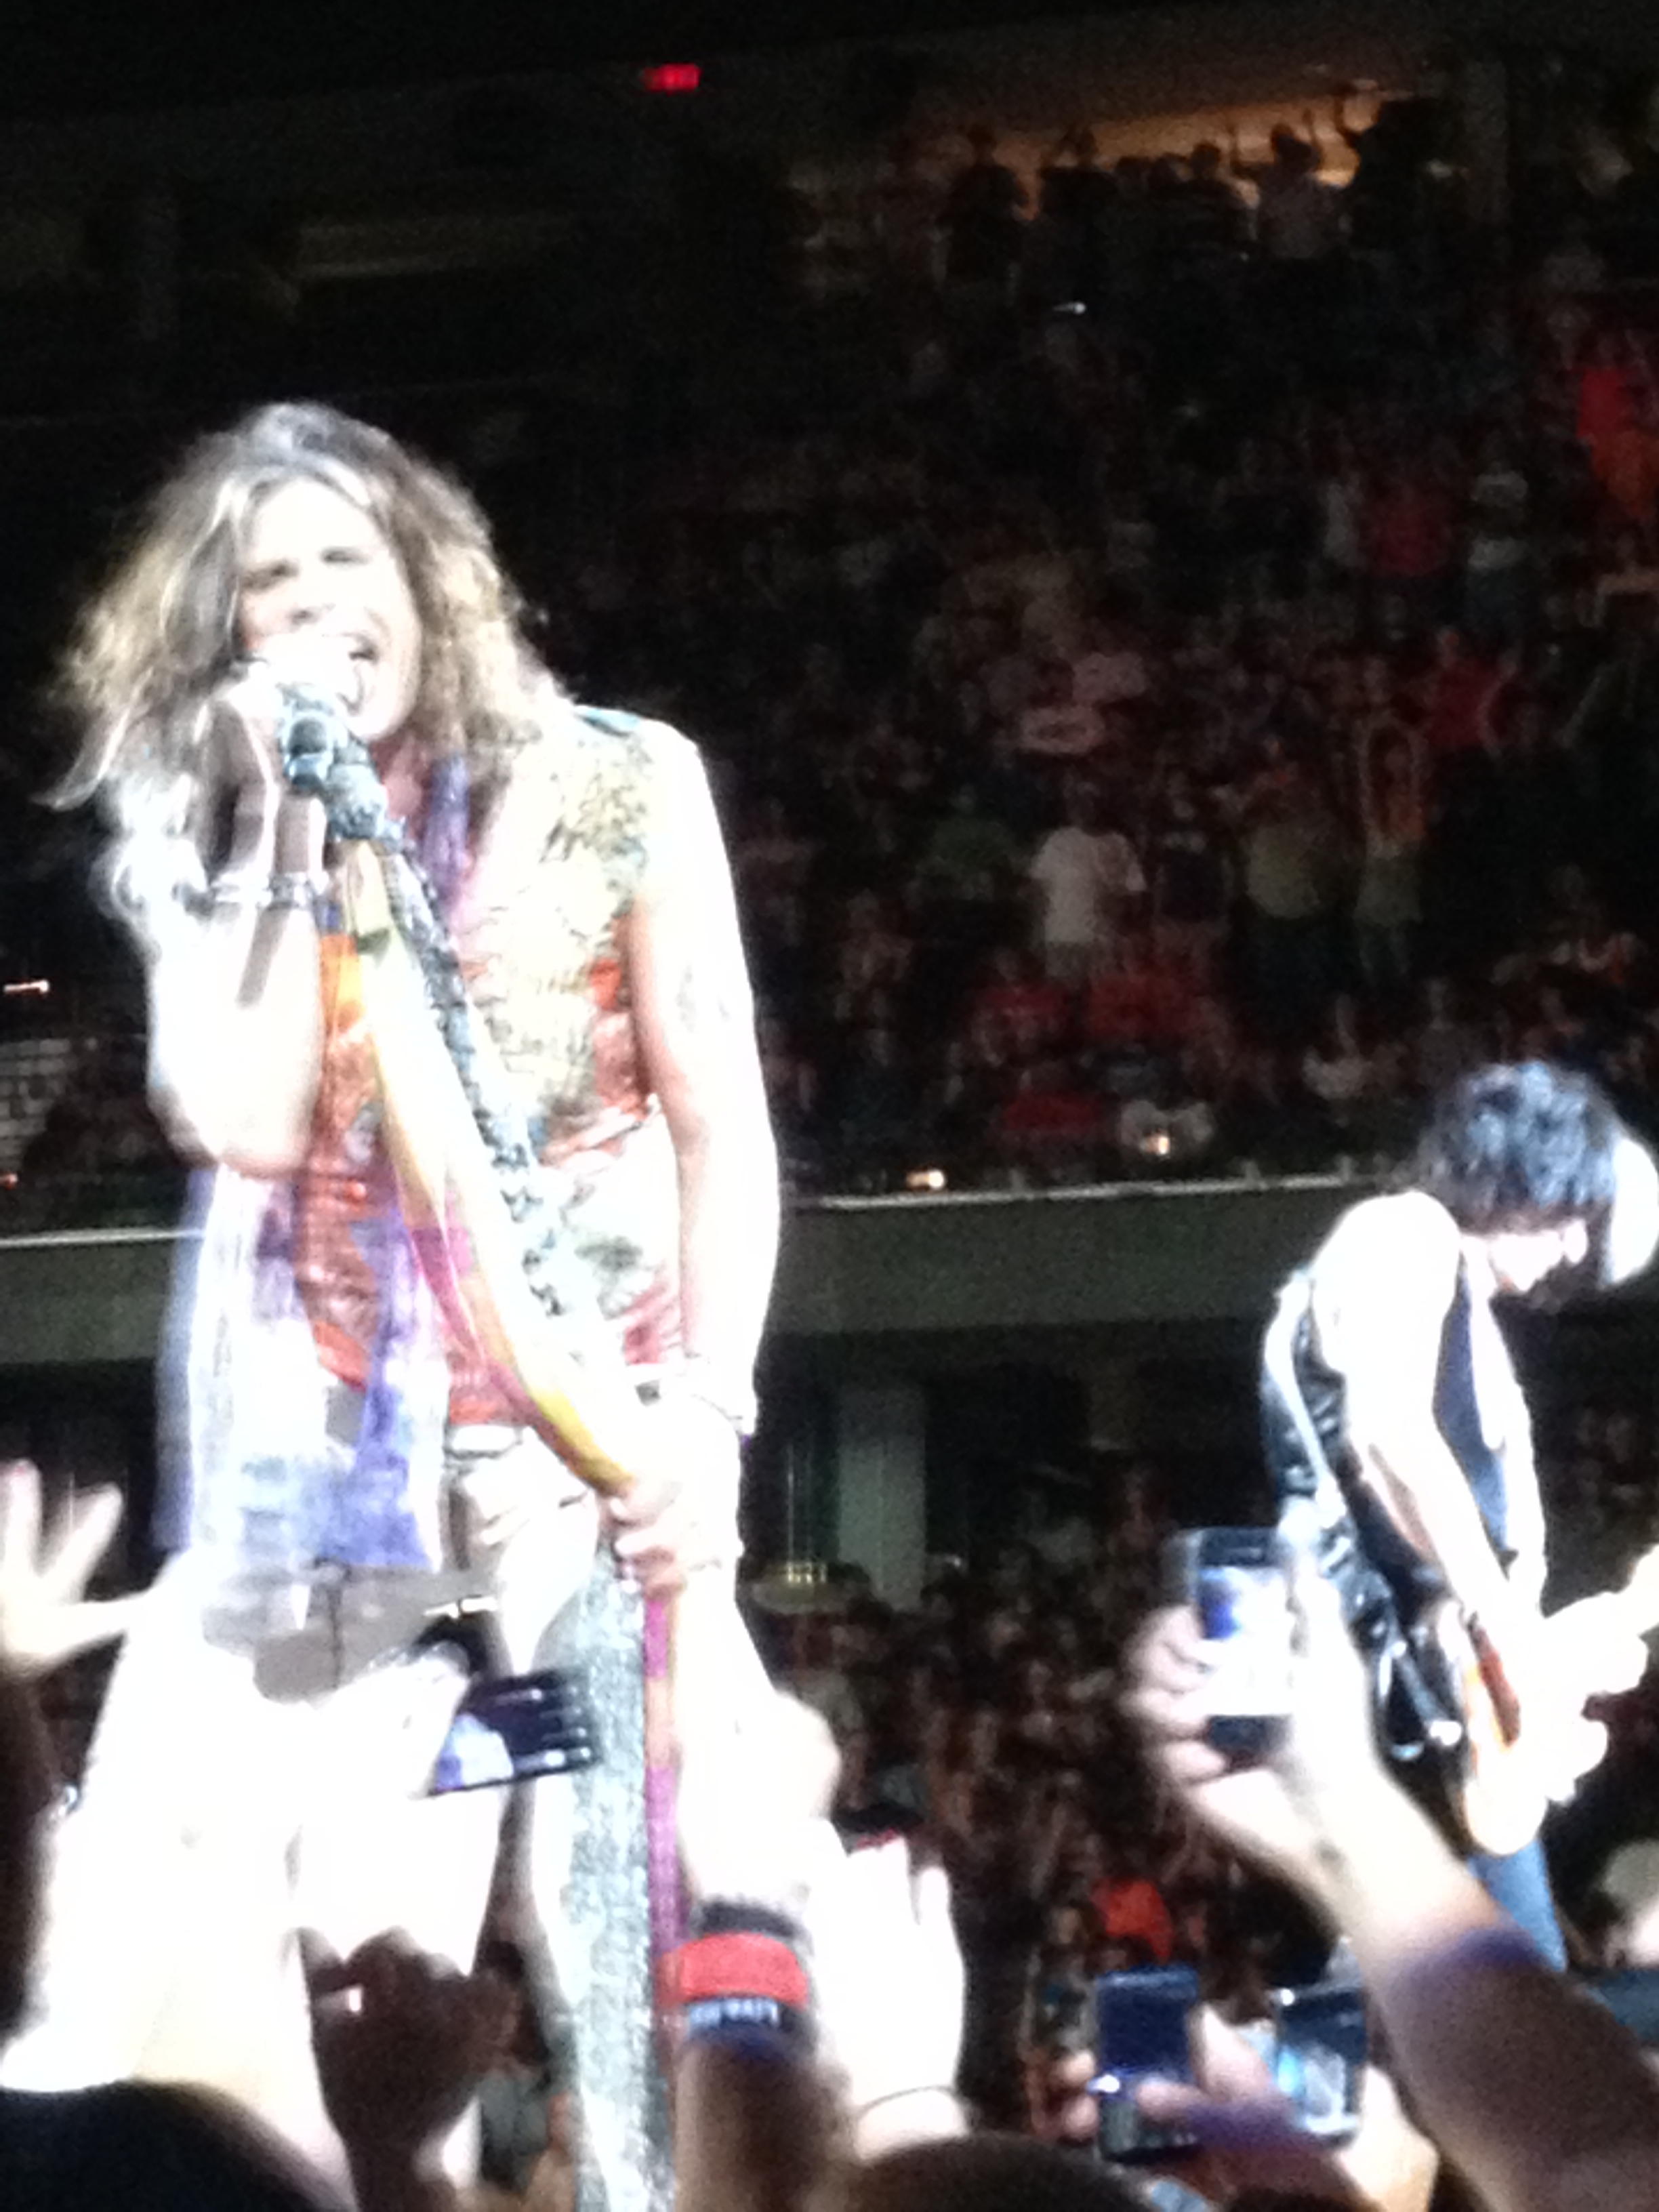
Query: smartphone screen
x=514 y=1729
x=1140 y=2033
x=1238 y=1580
x=1319 y=2055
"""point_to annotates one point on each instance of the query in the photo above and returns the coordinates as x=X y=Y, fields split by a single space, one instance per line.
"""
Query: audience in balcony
x=1276 y=638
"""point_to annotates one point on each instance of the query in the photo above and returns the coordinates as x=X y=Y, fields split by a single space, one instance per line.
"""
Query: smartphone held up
x=1141 y=2034
x=1314 y=2043
x=517 y=1728
x=1320 y=2047
x=1239 y=1581
x=508 y=1728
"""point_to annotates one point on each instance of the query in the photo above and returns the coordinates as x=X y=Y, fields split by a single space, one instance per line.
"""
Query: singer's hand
x=246 y=735
x=242 y=754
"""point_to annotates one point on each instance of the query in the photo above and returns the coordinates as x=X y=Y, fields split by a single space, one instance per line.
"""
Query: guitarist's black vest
x=1383 y=1582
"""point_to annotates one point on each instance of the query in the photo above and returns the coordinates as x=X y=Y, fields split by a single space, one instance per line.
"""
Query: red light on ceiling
x=672 y=76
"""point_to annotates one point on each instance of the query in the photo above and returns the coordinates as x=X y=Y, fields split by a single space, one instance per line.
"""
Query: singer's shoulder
x=599 y=776
x=578 y=740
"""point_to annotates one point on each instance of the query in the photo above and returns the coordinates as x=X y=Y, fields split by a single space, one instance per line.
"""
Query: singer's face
x=317 y=575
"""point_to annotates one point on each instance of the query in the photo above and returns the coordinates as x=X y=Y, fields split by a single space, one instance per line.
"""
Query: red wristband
x=736 y=1965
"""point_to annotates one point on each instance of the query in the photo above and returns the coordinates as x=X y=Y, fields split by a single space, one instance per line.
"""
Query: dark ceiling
x=66 y=60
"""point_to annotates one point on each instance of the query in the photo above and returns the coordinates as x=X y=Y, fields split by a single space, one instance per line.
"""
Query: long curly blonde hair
x=156 y=643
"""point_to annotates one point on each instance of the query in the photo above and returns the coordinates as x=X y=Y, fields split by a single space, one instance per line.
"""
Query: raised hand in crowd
x=398 y=2062
x=401 y=2041
x=1530 y=2087
x=756 y=2124
x=890 y=1993
x=1250 y=2138
x=758 y=1768
x=44 y=1616
x=758 y=1772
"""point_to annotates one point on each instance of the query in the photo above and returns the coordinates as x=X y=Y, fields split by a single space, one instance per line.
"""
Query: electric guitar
x=1513 y=1762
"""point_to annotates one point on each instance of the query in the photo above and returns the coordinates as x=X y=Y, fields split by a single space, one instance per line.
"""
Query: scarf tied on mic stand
x=480 y=1216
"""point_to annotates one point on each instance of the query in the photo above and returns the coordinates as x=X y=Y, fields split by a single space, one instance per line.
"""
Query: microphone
x=312 y=733
x=322 y=758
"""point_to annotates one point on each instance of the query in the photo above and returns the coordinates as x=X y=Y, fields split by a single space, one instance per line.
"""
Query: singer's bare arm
x=235 y=997
x=697 y=1024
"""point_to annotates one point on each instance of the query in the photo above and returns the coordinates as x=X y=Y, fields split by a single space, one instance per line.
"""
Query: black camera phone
x=1238 y=1579
x=1141 y=2033
x=508 y=1728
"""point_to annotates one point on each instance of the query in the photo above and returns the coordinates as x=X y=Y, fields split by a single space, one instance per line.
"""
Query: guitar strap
x=1415 y=1705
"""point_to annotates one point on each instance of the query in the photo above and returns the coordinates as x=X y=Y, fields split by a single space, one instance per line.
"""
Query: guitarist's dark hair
x=1520 y=1147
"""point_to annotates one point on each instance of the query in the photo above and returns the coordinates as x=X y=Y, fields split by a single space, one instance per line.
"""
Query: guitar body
x=1514 y=1762
x=1492 y=1790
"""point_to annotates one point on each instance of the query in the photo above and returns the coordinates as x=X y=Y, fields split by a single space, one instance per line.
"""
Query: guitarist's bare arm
x=1382 y=1285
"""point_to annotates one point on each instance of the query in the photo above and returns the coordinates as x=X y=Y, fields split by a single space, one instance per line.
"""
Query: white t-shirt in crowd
x=1080 y=874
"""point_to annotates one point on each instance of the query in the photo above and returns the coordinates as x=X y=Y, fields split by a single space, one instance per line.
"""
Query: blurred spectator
x=1498 y=559
x=971 y=856
x=908 y=203
x=1053 y=1127
x=1387 y=908
x=1210 y=220
x=1611 y=376
x=984 y=206
x=1164 y=1126
x=1407 y=530
x=1290 y=864
x=1189 y=879
x=1445 y=1046
x=1030 y=1012
x=1298 y=216
x=1340 y=1071
x=1072 y=192
x=1085 y=877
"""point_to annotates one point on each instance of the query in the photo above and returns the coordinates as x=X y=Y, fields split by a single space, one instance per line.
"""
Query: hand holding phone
x=1238 y=1582
x=508 y=1728
x=517 y=1728
x=1252 y=2134
x=1141 y=2034
x=1320 y=2047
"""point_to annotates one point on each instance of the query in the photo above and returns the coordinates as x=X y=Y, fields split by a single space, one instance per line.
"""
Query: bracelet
x=742 y=1915
x=227 y=891
x=739 y=1972
x=744 y=2021
x=296 y=889
x=736 y=1968
x=290 y=889
x=920 y=2089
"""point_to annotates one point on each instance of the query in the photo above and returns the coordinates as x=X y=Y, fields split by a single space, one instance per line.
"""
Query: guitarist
x=1399 y=1440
